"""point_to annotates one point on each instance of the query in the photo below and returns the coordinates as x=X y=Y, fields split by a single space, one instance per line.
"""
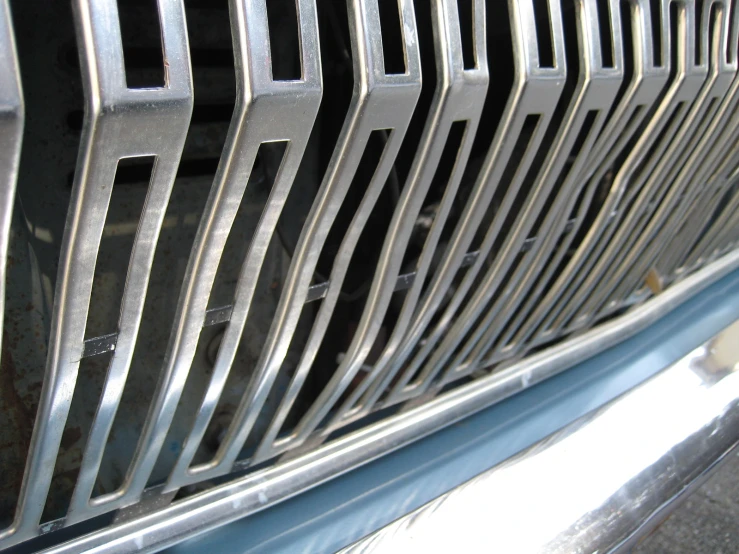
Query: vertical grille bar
x=714 y=144
x=629 y=184
x=658 y=193
x=536 y=91
x=380 y=101
x=594 y=93
x=459 y=96
x=11 y=136
x=647 y=82
x=119 y=122
x=290 y=107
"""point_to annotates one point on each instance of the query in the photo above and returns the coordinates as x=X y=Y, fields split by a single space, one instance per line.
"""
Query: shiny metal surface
x=11 y=135
x=604 y=194
x=597 y=483
x=252 y=493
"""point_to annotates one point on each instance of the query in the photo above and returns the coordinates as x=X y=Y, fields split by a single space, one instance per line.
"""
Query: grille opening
x=655 y=8
x=628 y=41
x=404 y=160
x=392 y=37
x=187 y=409
x=75 y=119
x=378 y=220
x=465 y=10
x=700 y=57
x=731 y=42
x=119 y=233
x=282 y=19
x=583 y=137
x=606 y=40
x=141 y=37
x=87 y=391
x=211 y=113
x=603 y=187
x=500 y=48
x=676 y=22
x=21 y=389
x=544 y=37
x=276 y=394
x=363 y=261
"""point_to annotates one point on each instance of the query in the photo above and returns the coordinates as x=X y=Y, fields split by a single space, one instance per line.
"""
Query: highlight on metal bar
x=11 y=136
x=120 y=122
x=380 y=101
x=459 y=96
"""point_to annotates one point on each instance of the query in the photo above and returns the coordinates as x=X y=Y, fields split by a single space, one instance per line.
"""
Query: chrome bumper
x=600 y=483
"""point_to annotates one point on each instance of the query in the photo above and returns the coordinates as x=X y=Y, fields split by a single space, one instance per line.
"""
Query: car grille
x=569 y=169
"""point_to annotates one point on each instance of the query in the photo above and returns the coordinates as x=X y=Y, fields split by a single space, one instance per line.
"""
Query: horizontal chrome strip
x=600 y=482
x=252 y=493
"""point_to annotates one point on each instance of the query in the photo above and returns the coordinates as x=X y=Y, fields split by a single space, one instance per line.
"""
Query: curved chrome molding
x=594 y=485
x=254 y=492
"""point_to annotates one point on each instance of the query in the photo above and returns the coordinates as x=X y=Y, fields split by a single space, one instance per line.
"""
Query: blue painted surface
x=337 y=513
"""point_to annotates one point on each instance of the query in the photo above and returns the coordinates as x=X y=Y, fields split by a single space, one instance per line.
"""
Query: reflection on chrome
x=598 y=484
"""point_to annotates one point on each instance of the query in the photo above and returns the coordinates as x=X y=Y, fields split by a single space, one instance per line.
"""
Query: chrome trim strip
x=595 y=484
x=119 y=122
x=255 y=492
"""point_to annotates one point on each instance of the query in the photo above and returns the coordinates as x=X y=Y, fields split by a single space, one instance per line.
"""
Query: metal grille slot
x=527 y=202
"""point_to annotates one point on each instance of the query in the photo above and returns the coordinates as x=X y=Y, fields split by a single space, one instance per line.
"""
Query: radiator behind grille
x=609 y=177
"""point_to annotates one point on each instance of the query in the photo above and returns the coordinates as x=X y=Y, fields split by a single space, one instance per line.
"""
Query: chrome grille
x=606 y=194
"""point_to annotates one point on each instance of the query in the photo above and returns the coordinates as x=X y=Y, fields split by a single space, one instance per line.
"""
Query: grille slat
x=590 y=95
x=536 y=91
x=120 y=122
x=290 y=107
x=459 y=96
x=682 y=142
x=11 y=134
x=610 y=175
